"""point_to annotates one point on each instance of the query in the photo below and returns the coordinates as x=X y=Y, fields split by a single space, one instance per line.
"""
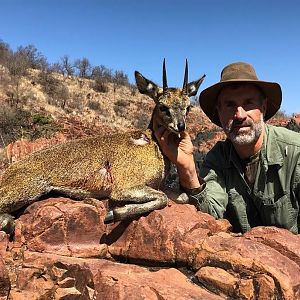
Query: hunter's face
x=241 y=111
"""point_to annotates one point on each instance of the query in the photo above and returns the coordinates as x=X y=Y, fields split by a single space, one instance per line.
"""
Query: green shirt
x=273 y=200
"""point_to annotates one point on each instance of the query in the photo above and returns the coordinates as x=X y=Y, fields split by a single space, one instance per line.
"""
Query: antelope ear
x=192 y=87
x=146 y=86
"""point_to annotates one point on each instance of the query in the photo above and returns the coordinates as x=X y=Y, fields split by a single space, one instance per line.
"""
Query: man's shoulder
x=284 y=135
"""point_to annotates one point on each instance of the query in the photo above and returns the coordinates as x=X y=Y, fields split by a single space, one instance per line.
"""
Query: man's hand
x=179 y=150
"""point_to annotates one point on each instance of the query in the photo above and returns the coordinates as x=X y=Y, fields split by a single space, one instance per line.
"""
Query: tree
x=5 y=53
x=35 y=59
x=84 y=67
x=102 y=72
x=120 y=78
x=18 y=64
x=56 y=68
x=67 y=66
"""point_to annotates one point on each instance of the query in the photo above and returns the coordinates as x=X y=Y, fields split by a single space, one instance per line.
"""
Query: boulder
x=63 y=250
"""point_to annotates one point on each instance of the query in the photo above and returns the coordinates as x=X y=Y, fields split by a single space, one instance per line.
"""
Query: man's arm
x=207 y=193
x=179 y=150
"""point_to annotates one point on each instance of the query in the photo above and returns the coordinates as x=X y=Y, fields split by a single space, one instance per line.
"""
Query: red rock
x=19 y=149
x=63 y=226
x=249 y=259
x=265 y=287
x=43 y=261
x=76 y=278
x=133 y=282
x=169 y=235
x=3 y=243
x=217 y=277
x=282 y=240
x=4 y=281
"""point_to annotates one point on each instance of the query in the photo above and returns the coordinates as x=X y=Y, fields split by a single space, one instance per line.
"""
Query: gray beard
x=246 y=138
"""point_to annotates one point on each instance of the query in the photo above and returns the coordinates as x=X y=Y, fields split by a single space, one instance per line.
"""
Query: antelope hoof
x=109 y=218
x=7 y=223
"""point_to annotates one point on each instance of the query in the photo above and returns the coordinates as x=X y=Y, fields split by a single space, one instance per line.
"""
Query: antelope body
x=127 y=168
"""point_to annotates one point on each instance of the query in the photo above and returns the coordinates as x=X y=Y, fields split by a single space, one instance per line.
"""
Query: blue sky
x=134 y=35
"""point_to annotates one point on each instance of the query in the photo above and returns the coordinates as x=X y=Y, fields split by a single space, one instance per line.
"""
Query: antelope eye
x=164 y=109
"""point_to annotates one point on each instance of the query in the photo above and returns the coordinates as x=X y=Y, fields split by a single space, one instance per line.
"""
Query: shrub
x=40 y=119
x=57 y=92
x=94 y=105
x=15 y=123
x=142 y=121
x=75 y=102
x=133 y=89
x=120 y=108
x=100 y=86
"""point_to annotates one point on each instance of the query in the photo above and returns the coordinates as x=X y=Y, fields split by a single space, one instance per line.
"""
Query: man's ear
x=146 y=86
x=192 y=87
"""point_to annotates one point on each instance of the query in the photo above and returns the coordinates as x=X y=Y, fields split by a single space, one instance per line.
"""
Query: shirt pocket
x=281 y=213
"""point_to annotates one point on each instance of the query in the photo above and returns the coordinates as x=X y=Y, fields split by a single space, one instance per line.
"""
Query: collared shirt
x=274 y=197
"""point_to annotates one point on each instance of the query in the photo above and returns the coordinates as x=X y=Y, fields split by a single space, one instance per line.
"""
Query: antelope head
x=172 y=104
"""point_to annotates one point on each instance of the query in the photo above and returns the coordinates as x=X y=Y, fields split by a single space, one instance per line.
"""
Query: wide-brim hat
x=243 y=73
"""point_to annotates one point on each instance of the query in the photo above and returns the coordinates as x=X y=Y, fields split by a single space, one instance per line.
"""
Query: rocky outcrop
x=294 y=124
x=19 y=149
x=62 y=250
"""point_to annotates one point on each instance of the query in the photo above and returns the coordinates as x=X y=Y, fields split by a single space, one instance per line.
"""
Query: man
x=252 y=178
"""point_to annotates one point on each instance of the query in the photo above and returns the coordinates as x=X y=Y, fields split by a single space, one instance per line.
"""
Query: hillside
x=42 y=108
x=50 y=105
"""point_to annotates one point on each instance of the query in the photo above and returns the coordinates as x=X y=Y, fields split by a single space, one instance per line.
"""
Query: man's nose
x=240 y=113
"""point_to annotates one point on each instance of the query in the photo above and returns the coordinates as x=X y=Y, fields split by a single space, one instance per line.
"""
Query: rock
x=170 y=236
x=3 y=243
x=279 y=239
x=294 y=124
x=49 y=276
x=63 y=226
x=134 y=282
x=62 y=250
x=21 y=148
x=4 y=281
x=248 y=260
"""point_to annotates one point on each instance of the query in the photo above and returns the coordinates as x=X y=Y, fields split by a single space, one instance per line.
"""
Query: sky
x=134 y=35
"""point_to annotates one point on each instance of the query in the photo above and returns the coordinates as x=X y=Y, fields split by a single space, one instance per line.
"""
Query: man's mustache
x=238 y=123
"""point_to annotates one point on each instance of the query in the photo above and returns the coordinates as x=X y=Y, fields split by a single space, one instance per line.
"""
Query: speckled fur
x=74 y=168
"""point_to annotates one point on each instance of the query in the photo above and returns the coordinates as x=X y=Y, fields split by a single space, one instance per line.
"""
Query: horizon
x=137 y=35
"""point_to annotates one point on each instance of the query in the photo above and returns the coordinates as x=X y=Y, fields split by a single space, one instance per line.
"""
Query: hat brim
x=208 y=97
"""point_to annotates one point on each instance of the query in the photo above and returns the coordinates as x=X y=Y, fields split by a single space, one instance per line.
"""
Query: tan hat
x=239 y=72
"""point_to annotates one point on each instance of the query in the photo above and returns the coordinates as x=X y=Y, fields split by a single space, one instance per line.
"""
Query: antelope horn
x=165 y=84
x=185 y=81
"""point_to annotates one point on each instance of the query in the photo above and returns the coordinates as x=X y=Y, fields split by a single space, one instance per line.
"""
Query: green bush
x=40 y=119
x=14 y=123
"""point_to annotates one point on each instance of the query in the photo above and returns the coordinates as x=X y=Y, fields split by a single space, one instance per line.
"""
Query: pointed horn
x=185 y=81
x=165 y=84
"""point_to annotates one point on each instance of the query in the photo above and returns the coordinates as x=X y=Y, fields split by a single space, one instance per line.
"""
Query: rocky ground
x=62 y=250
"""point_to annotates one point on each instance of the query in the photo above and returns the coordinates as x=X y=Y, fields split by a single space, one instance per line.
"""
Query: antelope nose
x=181 y=126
